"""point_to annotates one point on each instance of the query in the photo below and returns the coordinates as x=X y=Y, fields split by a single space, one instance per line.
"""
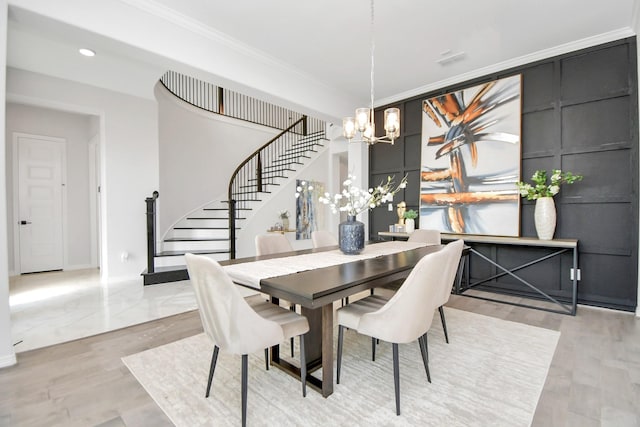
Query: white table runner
x=250 y=273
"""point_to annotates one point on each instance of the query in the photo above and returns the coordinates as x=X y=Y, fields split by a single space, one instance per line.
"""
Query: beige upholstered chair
x=408 y=315
x=322 y=238
x=274 y=243
x=430 y=237
x=236 y=327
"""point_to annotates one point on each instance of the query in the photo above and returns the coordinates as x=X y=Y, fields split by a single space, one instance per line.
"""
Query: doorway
x=40 y=190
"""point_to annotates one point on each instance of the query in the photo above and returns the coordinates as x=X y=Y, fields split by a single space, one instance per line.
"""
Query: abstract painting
x=470 y=160
x=307 y=213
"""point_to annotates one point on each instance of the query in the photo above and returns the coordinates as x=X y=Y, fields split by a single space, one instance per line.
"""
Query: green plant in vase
x=542 y=191
x=409 y=220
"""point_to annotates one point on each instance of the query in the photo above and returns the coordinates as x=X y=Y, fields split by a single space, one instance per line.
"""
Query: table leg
x=327 y=349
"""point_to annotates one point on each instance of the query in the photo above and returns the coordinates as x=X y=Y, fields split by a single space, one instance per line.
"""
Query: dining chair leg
x=339 y=358
x=444 y=323
x=266 y=358
x=425 y=357
x=214 y=359
x=396 y=376
x=373 y=349
x=292 y=308
x=245 y=368
x=303 y=367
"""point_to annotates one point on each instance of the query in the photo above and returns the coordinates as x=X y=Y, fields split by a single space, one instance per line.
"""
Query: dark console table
x=558 y=247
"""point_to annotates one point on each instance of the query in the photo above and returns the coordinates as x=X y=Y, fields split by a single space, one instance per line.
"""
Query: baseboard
x=8 y=360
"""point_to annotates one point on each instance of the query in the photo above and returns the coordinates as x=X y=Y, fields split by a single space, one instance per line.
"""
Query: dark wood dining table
x=317 y=289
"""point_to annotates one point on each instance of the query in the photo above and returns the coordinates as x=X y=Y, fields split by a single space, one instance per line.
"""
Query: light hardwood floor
x=594 y=379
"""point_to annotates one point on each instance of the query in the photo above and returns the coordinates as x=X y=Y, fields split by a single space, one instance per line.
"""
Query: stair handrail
x=259 y=165
x=151 y=231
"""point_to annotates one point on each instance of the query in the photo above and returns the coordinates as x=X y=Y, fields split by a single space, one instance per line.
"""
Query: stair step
x=221 y=209
x=172 y=259
x=250 y=192
x=203 y=228
x=303 y=149
x=195 y=239
x=287 y=161
x=165 y=275
x=277 y=168
x=209 y=218
x=197 y=243
x=197 y=252
x=268 y=175
x=286 y=157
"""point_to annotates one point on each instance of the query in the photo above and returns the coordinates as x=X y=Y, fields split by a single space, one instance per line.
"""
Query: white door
x=40 y=162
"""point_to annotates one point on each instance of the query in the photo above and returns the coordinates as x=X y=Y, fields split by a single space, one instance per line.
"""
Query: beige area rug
x=491 y=373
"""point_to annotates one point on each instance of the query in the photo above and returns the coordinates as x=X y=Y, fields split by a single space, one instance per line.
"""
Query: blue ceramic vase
x=351 y=236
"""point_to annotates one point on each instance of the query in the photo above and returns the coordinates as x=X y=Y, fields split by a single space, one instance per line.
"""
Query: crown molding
x=511 y=63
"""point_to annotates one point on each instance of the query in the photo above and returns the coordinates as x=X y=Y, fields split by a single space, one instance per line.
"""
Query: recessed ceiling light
x=86 y=52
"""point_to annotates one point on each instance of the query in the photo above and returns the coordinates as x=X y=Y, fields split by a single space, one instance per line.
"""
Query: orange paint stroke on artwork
x=432 y=114
x=474 y=153
x=473 y=111
x=455 y=219
x=452 y=199
x=435 y=140
x=435 y=175
x=447 y=106
x=456 y=171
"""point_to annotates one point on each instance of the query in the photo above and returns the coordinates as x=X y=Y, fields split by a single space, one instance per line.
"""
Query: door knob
x=23 y=222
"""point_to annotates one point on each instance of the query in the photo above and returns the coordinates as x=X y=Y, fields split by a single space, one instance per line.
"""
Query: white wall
x=129 y=157
x=283 y=197
x=7 y=354
x=198 y=152
x=75 y=129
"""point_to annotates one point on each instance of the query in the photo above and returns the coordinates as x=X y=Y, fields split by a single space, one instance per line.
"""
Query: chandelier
x=363 y=123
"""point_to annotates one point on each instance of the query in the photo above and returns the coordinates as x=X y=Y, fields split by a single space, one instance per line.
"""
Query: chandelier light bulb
x=369 y=133
x=362 y=119
x=348 y=127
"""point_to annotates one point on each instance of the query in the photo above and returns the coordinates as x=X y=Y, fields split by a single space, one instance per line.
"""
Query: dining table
x=316 y=278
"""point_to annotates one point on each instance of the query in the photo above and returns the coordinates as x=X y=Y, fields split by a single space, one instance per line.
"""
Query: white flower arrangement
x=283 y=214
x=354 y=200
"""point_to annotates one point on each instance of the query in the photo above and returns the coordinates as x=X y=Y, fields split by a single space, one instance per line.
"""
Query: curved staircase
x=211 y=230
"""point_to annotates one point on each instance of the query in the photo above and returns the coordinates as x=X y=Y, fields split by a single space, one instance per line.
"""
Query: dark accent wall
x=579 y=113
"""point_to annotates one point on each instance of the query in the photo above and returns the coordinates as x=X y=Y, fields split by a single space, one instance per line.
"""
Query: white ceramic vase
x=285 y=224
x=545 y=218
x=409 y=225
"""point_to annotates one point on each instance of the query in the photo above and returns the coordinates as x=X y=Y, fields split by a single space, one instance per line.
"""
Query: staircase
x=212 y=230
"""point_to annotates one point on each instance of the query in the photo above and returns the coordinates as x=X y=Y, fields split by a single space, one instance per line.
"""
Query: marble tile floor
x=55 y=307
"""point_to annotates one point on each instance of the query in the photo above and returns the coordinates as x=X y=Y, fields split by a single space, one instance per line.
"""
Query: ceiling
x=328 y=41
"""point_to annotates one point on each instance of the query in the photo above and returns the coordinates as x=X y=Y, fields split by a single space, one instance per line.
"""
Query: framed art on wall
x=308 y=216
x=470 y=160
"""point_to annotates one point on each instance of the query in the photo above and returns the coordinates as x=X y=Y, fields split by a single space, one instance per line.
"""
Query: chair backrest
x=430 y=237
x=452 y=270
x=322 y=238
x=409 y=313
x=226 y=317
x=272 y=243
